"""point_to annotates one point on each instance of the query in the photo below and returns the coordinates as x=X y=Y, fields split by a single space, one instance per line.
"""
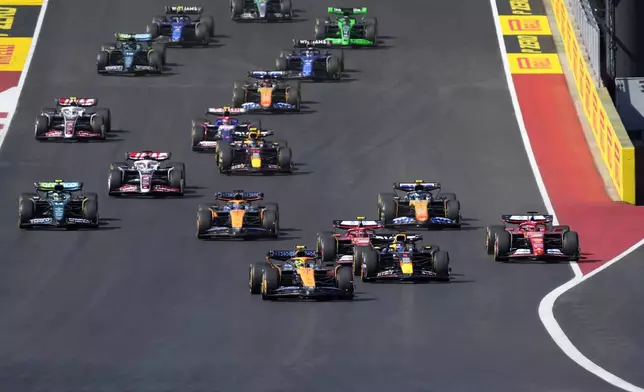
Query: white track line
x=546 y=307
x=25 y=69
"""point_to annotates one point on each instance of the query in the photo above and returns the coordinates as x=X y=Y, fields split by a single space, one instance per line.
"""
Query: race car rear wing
x=530 y=217
x=141 y=155
x=58 y=185
x=225 y=111
x=73 y=101
x=398 y=237
x=183 y=9
x=305 y=43
x=248 y=196
x=262 y=134
x=284 y=255
x=359 y=223
x=268 y=74
x=418 y=185
x=347 y=11
x=143 y=37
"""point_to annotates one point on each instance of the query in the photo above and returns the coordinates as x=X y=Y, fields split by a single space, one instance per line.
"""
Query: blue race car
x=309 y=62
x=207 y=134
x=178 y=28
x=58 y=204
x=131 y=54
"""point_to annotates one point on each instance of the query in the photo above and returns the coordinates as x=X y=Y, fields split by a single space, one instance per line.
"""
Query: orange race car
x=238 y=214
x=422 y=205
x=267 y=93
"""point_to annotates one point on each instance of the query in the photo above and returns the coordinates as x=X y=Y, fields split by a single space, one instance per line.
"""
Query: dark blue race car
x=309 y=62
x=182 y=25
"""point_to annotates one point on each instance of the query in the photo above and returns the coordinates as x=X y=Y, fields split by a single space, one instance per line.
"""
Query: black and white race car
x=73 y=119
x=147 y=173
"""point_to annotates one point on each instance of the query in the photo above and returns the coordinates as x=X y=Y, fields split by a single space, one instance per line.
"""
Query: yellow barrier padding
x=534 y=63
x=525 y=25
x=21 y=2
x=13 y=53
x=619 y=160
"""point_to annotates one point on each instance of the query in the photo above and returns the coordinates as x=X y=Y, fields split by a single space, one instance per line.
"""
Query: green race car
x=347 y=30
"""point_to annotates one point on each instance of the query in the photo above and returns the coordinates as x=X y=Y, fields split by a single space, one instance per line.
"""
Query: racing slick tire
x=107 y=46
x=371 y=30
x=358 y=258
x=106 y=114
x=177 y=177
x=90 y=209
x=370 y=266
x=225 y=158
x=293 y=96
x=387 y=210
x=209 y=22
x=320 y=29
x=158 y=19
x=274 y=207
x=256 y=271
x=197 y=134
x=156 y=61
x=239 y=96
x=571 y=245
x=490 y=237
x=26 y=209
x=114 y=182
x=452 y=210
x=270 y=282
x=202 y=34
x=502 y=244
x=344 y=280
x=160 y=48
x=441 y=265
x=284 y=155
x=333 y=68
x=341 y=60
x=327 y=245
x=204 y=220
x=98 y=125
x=450 y=196
x=153 y=29
x=270 y=222
x=102 y=61
x=286 y=7
x=236 y=8
x=281 y=64
x=41 y=127
x=116 y=165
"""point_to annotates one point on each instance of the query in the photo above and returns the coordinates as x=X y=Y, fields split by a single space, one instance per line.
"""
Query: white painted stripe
x=546 y=311
x=10 y=106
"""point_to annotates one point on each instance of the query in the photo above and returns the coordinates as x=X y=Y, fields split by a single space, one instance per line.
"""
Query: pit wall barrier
x=614 y=144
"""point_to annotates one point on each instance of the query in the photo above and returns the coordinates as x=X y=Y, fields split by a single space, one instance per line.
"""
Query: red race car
x=347 y=240
x=534 y=238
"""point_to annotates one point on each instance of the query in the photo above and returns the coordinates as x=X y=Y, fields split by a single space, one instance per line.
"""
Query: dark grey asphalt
x=141 y=305
x=603 y=317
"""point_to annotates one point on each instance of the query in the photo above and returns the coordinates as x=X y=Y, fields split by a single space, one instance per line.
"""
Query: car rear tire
x=320 y=30
x=490 y=237
x=358 y=258
x=209 y=22
x=333 y=68
x=256 y=271
x=197 y=133
x=453 y=210
x=441 y=265
x=239 y=97
x=293 y=97
x=26 y=209
x=286 y=7
x=90 y=211
x=98 y=126
x=106 y=114
x=236 y=8
x=225 y=157
x=156 y=61
x=153 y=29
x=202 y=33
x=327 y=245
x=502 y=245
x=270 y=282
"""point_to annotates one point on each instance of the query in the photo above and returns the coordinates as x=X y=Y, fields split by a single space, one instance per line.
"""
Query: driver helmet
x=397 y=247
x=225 y=120
x=266 y=83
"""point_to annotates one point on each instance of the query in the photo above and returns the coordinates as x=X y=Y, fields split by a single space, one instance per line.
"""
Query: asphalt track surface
x=603 y=319
x=142 y=305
